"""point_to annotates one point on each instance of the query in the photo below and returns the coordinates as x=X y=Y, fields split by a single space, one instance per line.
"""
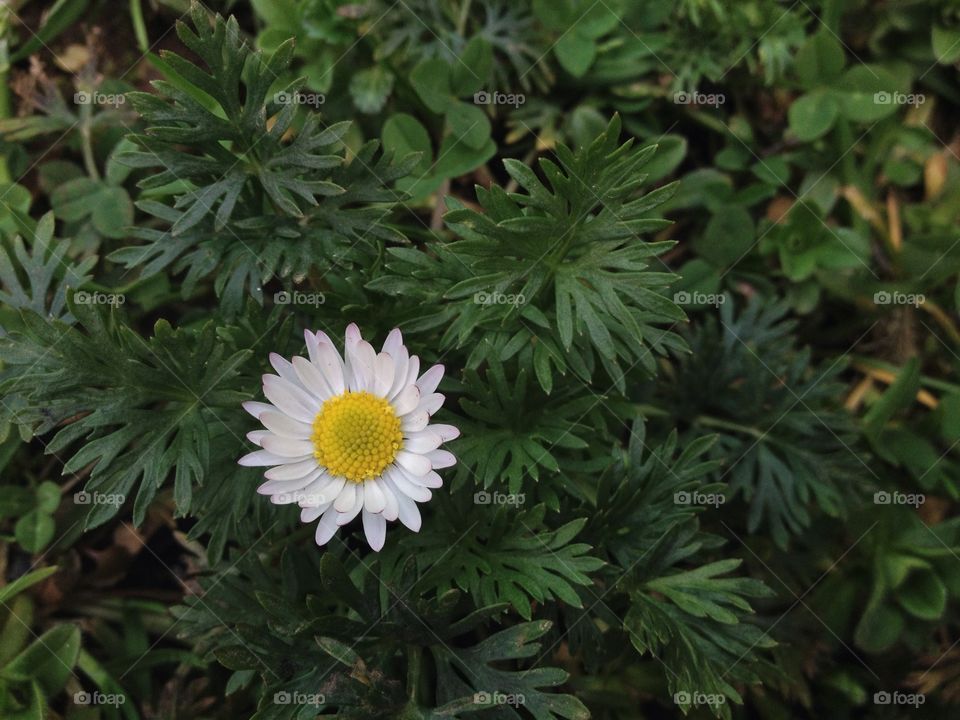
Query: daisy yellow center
x=356 y=435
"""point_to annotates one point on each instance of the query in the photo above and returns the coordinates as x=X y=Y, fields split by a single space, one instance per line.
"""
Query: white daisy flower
x=351 y=435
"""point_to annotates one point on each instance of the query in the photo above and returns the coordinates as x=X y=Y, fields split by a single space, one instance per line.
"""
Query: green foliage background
x=692 y=268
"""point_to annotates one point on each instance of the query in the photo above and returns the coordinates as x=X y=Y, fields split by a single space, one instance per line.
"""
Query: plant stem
x=414 y=660
x=89 y=160
x=464 y=16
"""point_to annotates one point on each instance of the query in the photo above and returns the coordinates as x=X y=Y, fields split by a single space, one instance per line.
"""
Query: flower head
x=351 y=435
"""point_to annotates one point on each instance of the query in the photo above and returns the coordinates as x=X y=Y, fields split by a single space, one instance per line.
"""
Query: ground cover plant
x=440 y=358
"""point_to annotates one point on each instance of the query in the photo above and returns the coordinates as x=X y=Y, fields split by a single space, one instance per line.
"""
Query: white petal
x=391 y=509
x=431 y=403
x=292 y=471
x=431 y=480
x=407 y=488
x=353 y=373
x=408 y=513
x=284 y=369
x=262 y=458
x=345 y=517
x=280 y=486
x=362 y=359
x=312 y=344
x=383 y=374
x=287 y=447
x=400 y=360
x=346 y=497
x=325 y=490
x=413 y=370
x=440 y=459
x=327 y=527
x=330 y=365
x=373 y=499
x=312 y=378
x=430 y=379
x=415 y=421
x=393 y=342
x=284 y=425
x=375 y=528
x=257 y=408
x=290 y=399
x=447 y=432
x=407 y=400
x=415 y=464
x=421 y=442
x=310 y=514
x=257 y=436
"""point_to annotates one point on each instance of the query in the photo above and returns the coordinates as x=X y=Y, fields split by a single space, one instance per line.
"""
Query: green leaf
x=473 y=675
x=820 y=60
x=15 y=201
x=879 y=627
x=48 y=497
x=112 y=213
x=946 y=44
x=403 y=134
x=813 y=114
x=898 y=396
x=868 y=93
x=49 y=659
x=728 y=236
x=371 y=88
x=456 y=158
x=573 y=242
x=34 y=531
x=575 y=52
x=63 y=15
x=923 y=595
x=25 y=581
x=139 y=417
x=469 y=124
x=472 y=71
x=431 y=80
x=74 y=199
x=517 y=564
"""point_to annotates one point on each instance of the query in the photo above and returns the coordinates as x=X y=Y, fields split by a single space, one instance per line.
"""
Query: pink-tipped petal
x=429 y=381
